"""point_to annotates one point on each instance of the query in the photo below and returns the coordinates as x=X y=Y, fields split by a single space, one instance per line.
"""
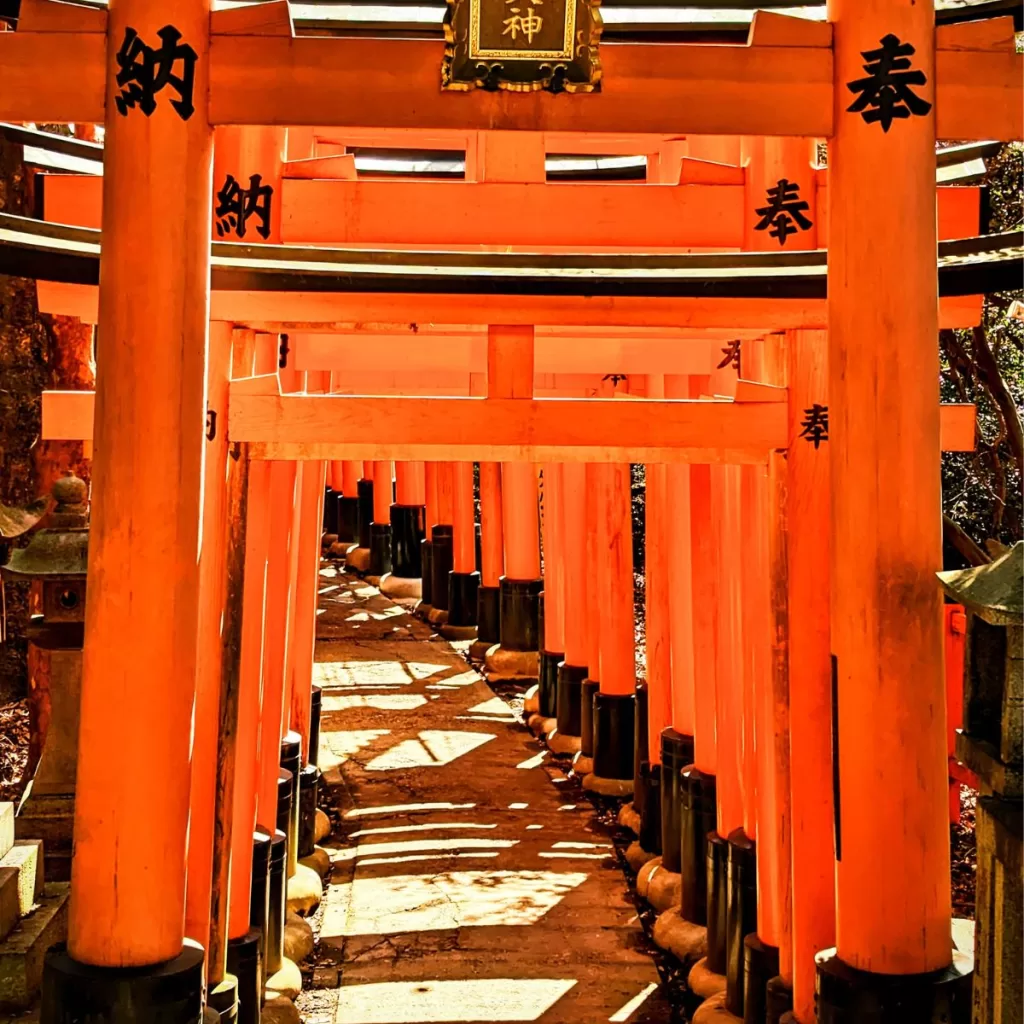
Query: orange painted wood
x=382 y=491
x=242 y=152
x=332 y=426
x=615 y=577
x=810 y=675
x=519 y=520
x=510 y=361
x=506 y=157
x=445 y=492
x=577 y=606
x=492 y=547
x=310 y=310
x=554 y=559
x=431 y=502
x=456 y=213
x=48 y=76
x=265 y=19
x=595 y=598
x=886 y=501
x=658 y=583
x=351 y=470
x=766 y=161
x=989 y=34
x=979 y=92
x=68 y=415
x=335 y=476
x=463 y=521
x=51 y=16
x=212 y=589
x=247 y=743
x=283 y=538
x=410 y=483
x=138 y=676
x=307 y=580
x=731 y=780
x=338 y=166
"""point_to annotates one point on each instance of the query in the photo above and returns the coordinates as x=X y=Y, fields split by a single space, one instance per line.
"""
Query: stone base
x=400 y=587
x=22 y=966
x=457 y=632
x=503 y=664
x=287 y=981
x=374 y=581
x=167 y=993
x=280 y=1010
x=637 y=857
x=531 y=701
x=541 y=726
x=559 y=743
x=437 y=616
x=298 y=938
x=358 y=559
x=659 y=886
x=682 y=939
x=628 y=818
x=321 y=826
x=319 y=861
x=478 y=651
x=704 y=982
x=583 y=765
x=607 y=787
x=423 y=610
x=713 y=1011
x=305 y=890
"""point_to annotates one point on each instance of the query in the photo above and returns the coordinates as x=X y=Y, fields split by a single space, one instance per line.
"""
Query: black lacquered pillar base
x=718 y=902
x=380 y=549
x=760 y=966
x=676 y=754
x=650 y=809
x=277 y=909
x=520 y=614
x=365 y=515
x=348 y=520
x=309 y=788
x=462 y=602
x=330 y=522
x=167 y=993
x=698 y=795
x=778 y=1000
x=588 y=691
x=245 y=962
x=547 y=684
x=427 y=575
x=845 y=995
x=291 y=747
x=570 y=700
x=407 y=533
x=614 y=717
x=639 y=744
x=441 y=565
x=259 y=892
x=316 y=705
x=488 y=614
x=741 y=914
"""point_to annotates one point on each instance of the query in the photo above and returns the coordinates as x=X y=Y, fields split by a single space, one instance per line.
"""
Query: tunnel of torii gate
x=405 y=345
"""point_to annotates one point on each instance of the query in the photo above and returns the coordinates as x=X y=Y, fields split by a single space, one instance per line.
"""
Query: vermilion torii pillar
x=552 y=651
x=128 y=886
x=893 y=945
x=408 y=528
x=380 y=528
x=426 y=604
x=442 y=535
x=463 y=580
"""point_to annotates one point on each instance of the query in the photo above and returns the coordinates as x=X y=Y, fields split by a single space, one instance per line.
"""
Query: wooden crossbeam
x=343 y=427
x=455 y=213
x=648 y=88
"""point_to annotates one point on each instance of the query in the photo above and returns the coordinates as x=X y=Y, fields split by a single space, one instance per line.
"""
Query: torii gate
x=155 y=287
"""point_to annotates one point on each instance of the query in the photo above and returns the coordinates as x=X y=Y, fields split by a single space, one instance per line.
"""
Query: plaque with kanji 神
x=522 y=45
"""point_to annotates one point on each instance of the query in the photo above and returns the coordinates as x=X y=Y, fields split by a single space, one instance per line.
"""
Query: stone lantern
x=991 y=744
x=56 y=557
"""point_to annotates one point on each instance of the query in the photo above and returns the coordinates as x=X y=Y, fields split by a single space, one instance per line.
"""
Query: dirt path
x=470 y=881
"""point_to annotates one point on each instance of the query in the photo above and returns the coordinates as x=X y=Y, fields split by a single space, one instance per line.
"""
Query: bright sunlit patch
x=432 y=749
x=425 y=1002
x=398 y=829
x=574 y=856
x=425 y=856
x=518 y=807
x=330 y=589
x=634 y=1004
x=533 y=762
x=362 y=812
x=567 y=807
x=380 y=701
x=532 y=828
x=451 y=899
x=581 y=846
x=337 y=745
x=494 y=706
x=419 y=846
x=365 y=675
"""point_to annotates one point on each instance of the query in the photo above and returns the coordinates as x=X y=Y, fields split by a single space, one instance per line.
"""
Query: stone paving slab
x=470 y=880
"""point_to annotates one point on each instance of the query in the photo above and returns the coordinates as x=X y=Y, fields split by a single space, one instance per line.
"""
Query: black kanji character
x=785 y=208
x=235 y=205
x=815 y=424
x=732 y=356
x=887 y=90
x=615 y=378
x=145 y=71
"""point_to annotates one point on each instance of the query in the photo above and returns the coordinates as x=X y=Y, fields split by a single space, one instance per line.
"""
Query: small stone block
x=305 y=890
x=607 y=787
x=10 y=900
x=298 y=938
x=6 y=828
x=26 y=855
x=704 y=982
x=279 y=1010
x=23 y=951
x=637 y=856
x=713 y=1011
x=684 y=940
x=628 y=818
x=326 y=977
x=285 y=982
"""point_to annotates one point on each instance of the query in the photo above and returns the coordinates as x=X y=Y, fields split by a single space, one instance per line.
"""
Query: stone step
x=10 y=901
x=26 y=856
x=23 y=951
x=6 y=828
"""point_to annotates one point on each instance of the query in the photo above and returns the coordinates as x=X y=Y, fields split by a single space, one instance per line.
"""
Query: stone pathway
x=470 y=880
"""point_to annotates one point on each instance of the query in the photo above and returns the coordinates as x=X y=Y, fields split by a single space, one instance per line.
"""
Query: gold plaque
x=522 y=45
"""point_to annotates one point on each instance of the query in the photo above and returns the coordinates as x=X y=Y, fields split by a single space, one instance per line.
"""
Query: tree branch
x=961 y=541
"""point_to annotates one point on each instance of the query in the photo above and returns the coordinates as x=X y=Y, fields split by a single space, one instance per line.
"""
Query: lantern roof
x=62 y=551
x=995 y=591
